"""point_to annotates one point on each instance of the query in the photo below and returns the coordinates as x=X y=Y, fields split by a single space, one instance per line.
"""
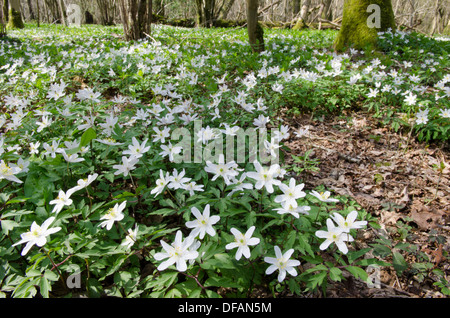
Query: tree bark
x=357 y=29
x=304 y=10
x=205 y=12
x=14 y=15
x=30 y=8
x=136 y=18
x=223 y=14
x=254 y=29
x=62 y=12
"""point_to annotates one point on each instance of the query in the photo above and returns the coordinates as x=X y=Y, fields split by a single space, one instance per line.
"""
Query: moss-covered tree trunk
x=255 y=31
x=304 y=12
x=14 y=16
x=361 y=22
x=205 y=12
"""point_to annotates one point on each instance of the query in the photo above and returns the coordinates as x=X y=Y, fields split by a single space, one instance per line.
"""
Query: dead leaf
x=425 y=217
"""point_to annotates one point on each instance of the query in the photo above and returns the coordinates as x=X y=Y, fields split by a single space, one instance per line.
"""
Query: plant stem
x=56 y=267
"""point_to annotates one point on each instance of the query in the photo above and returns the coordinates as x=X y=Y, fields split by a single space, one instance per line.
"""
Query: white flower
x=230 y=130
x=290 y=209
x=422 y=117
x=192 y=187
x=373 y=92
x=272 y=147
x=127 y=165
x=265 y=176
x=45 y=122
x=130 y=239
x=8 y=173
x=323 y=196
x=290 y=193
x=282 y=263
x=34 y=148
x=348 y=223
x=83 y=183
x=63 y=199
x=302 y=131
x=206 y=134
x=112 y=215
x=445 y=113
x=282 y=134
x=335 y=235
x=261 y=122
x=109 y=141
x=239 y=184
x=177 y=253
x=52 y=149
x=203 y=223
x=410 y=99
x=222 y=169
x=37 y=235
x=137 y=149
x=161 y=135
x=177 y=180
x=242 y=242
x=71 y=158
x=161 y=183
x=170 y=151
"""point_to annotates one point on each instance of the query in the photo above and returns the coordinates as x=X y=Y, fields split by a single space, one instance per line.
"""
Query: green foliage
x=157 y=78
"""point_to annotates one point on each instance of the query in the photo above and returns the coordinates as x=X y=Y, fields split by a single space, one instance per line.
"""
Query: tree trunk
x=436 y=18
x=30 y=8
x=38 y=14
x=15 y=17
x=304 y=10
x=5 y=9
x=62 y=12
x=296 y=7
x=255 y=31
x=136 y=18
x=361 y=23
x=2 y=22
x=223 y=14
x=205 y=12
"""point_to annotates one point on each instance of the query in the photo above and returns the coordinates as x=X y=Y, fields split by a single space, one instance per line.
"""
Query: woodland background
x=424 y=16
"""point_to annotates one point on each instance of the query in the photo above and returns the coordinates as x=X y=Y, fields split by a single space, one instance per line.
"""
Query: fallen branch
x=268 y=7
x=338 y=26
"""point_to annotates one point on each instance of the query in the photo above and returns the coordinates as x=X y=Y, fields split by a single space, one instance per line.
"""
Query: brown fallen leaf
x=425 y=217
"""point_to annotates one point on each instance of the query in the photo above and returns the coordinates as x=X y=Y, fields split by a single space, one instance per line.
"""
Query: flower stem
x=57 y=269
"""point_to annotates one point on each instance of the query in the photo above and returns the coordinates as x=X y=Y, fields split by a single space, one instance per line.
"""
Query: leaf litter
x=393 y=179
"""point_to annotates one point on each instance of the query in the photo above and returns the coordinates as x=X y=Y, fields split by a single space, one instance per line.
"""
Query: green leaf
x=353 y=255
x=399 y=262
x=44 y=287
x=8 y=225
x=87 y=136
x=50 y=275
x=358 y=272
x=290 y=240
x=318 y=279
x=304 y=246
x=335 y=274
x=217 y=281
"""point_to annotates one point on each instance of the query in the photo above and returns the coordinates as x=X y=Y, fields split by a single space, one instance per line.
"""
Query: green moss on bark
x=300 y=25
x=355 y=31
x=14 y=20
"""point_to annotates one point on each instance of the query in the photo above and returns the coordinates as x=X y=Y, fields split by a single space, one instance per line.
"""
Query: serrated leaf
x=335 y=274
x=44 y=287
x=358 y=272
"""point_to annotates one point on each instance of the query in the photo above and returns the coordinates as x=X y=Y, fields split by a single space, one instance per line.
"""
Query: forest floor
x=395 y=180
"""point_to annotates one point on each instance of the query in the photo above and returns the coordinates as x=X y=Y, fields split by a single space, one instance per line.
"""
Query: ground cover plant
x=113 y=176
